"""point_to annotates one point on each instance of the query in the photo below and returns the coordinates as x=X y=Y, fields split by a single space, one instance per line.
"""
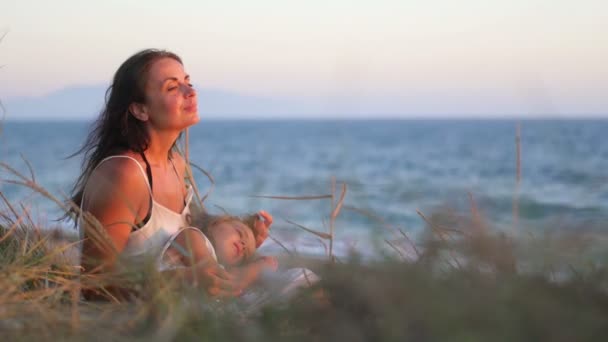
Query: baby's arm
x=247 y=274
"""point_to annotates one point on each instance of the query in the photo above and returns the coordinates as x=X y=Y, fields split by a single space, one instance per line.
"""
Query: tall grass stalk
x=517 y=178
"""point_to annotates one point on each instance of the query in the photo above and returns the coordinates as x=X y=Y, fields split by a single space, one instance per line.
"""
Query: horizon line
x=573 y=117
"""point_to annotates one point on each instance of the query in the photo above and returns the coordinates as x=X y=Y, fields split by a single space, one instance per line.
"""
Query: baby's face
x=233 y=242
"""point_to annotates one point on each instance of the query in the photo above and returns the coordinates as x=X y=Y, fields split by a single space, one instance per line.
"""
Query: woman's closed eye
x=174 y=87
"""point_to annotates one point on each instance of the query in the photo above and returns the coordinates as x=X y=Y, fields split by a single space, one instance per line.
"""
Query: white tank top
x=163 y=223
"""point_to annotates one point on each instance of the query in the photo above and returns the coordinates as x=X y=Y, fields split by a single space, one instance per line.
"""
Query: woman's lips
x=191 y=108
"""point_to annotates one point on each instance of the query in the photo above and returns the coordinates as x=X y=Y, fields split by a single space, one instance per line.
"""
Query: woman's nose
x=189 y=91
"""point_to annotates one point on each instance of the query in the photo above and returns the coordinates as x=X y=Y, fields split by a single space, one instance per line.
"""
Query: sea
x=395 y=173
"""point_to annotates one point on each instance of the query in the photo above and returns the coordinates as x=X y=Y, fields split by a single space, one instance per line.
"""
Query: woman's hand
x=261 y=227
x=216 y=281
x=247 y=274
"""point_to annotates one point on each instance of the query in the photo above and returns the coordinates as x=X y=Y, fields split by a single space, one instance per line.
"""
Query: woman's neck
x=159 y=148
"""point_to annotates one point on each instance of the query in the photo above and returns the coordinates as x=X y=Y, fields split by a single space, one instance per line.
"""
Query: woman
x=133 y=177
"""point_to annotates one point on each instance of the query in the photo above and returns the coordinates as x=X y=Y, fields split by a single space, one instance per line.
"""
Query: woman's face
x=171 y=102
x=233 y=242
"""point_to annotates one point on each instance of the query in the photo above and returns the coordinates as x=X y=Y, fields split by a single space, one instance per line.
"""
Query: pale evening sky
x=521 y=57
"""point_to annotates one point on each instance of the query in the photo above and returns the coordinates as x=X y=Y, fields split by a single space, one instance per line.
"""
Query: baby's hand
x=261 y=227
x=269 y=262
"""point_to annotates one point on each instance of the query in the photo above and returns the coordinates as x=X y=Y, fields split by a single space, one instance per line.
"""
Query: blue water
x=391 y=168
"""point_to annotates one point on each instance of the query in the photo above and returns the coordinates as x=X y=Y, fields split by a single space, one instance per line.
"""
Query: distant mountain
x=85 y=102
x=74 y=103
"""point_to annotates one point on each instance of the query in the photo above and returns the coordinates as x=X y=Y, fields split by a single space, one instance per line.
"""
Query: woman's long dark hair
x=116 y=130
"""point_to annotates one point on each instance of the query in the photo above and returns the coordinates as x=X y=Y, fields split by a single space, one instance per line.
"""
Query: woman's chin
x=194 y=118
x=190 y=120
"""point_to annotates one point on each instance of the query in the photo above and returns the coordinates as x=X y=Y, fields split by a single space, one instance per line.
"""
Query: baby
x=233 y=241
x=230 y=242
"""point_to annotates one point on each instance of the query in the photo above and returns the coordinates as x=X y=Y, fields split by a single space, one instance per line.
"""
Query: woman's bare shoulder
x=117 y=195
x=120 y=167
x=118 y=174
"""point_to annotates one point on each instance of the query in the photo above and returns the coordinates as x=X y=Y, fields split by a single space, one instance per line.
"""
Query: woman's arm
x=216 y=281
x=190 y=248
x=219 y=282
x=115 y=195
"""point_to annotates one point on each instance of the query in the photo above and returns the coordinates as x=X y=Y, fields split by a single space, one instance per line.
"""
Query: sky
x=397 y=58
